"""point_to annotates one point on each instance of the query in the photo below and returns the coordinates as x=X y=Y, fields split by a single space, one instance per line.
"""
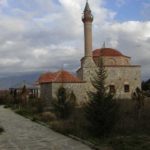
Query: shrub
x=130 y=143
x=62 y=126
x=146 y=85
x=138 y=97
x=125 y=121
x=35 y=105
x=128 y=122
x=23 y=112
x=6 y=106
x=35 y=118
x=6 y=98
x=48 y=116
x=64 y=104
x=40 y=105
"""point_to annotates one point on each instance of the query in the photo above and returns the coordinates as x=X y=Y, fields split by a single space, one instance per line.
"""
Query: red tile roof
x=58 y=77
x=107 y=52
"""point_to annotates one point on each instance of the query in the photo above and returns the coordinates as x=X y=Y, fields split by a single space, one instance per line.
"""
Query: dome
x=106 y=52
x=58 y=77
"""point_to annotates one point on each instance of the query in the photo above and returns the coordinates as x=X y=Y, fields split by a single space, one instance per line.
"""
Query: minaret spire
x=87 y=7
x=87 y=20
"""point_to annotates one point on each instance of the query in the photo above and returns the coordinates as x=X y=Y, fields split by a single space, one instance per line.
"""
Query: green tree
x=138 y=97
x=23 y=94
x=64 y=103
x=146 y=85
x=101 y=110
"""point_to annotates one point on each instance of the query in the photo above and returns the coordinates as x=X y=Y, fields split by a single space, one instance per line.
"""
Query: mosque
x=122 y=76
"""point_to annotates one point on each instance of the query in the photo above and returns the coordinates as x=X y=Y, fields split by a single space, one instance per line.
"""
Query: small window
x=126 y=88
x=112 y=89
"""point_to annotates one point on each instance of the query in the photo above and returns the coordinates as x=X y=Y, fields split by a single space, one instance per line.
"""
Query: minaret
x=87 y=64
x=87 y=20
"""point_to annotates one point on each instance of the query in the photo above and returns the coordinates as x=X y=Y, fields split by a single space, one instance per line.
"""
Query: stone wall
x=46 y=92
x=87 y=70
x=78 y=88
x=119 y=76
x=49 y=91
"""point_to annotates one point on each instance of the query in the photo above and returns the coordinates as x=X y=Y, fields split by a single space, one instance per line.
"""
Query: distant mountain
x=13 y=80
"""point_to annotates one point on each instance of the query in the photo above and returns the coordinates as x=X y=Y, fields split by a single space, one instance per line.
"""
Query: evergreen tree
x=146 y=85
x=139 y=97
x=101 y=110
x=64 y=104
x=24 y=93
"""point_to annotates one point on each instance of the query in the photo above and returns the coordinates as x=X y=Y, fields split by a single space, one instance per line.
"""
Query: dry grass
x=48 y=116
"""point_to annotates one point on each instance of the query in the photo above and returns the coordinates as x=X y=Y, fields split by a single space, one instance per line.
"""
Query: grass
x=132 y=142
x=23 y=112
x=7 y=106
x=28 y=114
x=138 y=142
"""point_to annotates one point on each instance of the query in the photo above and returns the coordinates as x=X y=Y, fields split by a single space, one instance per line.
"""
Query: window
x=112 y=89
x=126 y=88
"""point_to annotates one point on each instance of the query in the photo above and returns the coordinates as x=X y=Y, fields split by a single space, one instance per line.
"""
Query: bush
x=23 y=112
x=35 y=118
x=63 y=126
x=130 y=143
x=6 y=106
x=64 y=104
x=126 y=122
x=36 y=104
x=146 y=85
x=6 y=98
x=79 y=123
x=48 y=116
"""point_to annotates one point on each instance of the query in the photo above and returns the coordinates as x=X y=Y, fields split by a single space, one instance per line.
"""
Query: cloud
x=132 y=38
x=44 y=35
x=11 y=24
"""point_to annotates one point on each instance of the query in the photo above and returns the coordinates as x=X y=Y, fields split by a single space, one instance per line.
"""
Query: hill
x=11 y=80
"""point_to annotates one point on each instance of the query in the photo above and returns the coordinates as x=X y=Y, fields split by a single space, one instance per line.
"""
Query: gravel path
x=23 y=134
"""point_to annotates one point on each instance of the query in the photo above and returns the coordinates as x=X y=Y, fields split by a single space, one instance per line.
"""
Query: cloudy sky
x=42 y=35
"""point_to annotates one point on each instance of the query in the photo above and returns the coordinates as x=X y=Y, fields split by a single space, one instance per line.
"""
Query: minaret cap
x=87 y=7
x=87 y=15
